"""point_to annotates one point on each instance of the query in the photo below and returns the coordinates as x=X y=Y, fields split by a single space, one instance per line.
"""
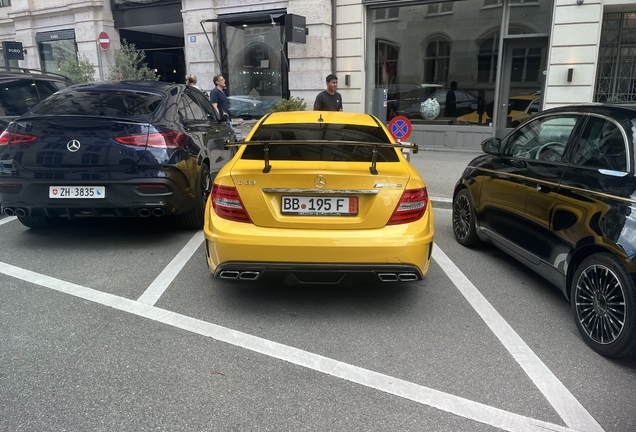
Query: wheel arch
x=576 y=259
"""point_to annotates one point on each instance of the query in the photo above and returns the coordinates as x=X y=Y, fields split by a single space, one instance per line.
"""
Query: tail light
x=167 y=140
x=8 y=138
x=228 y=205
x=411 y=207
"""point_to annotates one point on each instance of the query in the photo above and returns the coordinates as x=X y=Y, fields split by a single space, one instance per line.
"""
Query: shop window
x=53 y=52
x=512 y=2
x=386 y=14
x=439 y=8
x=487 y=60
x=387 y=55
x=526 y=63
x=5 y=3
x=436 y=60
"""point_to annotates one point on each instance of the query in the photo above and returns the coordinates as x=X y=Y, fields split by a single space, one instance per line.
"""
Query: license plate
x=88 y=192
x=323 y=206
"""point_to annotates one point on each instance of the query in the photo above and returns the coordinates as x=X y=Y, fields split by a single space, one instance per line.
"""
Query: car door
x=519 y=186
x=595 y=197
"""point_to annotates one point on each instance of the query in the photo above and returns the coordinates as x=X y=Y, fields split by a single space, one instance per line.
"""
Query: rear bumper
x=122 y=198
x=402 y=252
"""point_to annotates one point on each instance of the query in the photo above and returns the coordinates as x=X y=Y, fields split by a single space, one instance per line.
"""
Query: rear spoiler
x=410 y=146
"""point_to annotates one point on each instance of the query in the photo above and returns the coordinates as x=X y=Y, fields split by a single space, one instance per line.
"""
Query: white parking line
x=570 y=410
x=443 y=401
x=165 y=278
x=7 y=220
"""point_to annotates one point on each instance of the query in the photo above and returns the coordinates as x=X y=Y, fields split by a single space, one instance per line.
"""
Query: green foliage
x=291 y=104
x=130 y=64
x=77 y=68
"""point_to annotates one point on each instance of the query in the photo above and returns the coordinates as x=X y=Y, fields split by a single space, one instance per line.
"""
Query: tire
x=39 y=222
x=193 y=219
x=464 y=219
x=603 y=299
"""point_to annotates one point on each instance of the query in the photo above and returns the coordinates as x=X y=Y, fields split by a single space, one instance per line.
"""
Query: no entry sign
x=400 y=128
x=104 y=40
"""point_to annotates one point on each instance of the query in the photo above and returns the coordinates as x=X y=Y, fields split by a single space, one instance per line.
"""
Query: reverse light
x=8 y=138
x=411 y=207
x=228 y=205
x=168 y=140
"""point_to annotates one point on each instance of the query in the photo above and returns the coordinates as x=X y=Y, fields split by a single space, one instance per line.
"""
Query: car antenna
x=320 y=119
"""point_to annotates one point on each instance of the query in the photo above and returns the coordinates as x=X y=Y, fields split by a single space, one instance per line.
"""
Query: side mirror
x=224 y=116
x=491 y=146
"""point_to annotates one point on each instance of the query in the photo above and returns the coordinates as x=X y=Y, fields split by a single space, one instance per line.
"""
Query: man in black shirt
x=330 y=99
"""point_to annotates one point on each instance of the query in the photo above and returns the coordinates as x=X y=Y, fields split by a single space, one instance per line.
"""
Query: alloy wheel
x=600 y=304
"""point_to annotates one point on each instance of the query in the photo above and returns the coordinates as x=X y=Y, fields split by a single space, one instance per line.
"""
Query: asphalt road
x=118 y=325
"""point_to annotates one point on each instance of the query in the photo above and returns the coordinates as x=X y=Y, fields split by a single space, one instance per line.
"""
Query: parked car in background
x=466 y=103
x=405 y=101
x=22 y=89
x=557 y=194
x=249 y=108
x=319 y=197
x=520 y=108
x=115 y=148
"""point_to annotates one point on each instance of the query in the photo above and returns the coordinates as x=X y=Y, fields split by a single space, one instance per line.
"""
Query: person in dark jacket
x=330 y=99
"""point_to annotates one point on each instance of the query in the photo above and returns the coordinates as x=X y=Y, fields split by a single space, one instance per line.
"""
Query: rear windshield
x=100 y=103
x=311 y=133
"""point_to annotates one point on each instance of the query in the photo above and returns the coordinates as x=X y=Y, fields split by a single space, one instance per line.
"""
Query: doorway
x=522 y=80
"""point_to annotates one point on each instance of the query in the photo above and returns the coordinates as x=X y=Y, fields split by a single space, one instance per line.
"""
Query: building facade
x=563 y=51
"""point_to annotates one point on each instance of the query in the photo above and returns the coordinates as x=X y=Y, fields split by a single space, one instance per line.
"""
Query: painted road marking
x=570 y=410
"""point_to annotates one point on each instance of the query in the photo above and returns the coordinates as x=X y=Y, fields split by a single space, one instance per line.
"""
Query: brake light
x=8 y=138
x=228 y=205
x=411 y=207
x=168 y=140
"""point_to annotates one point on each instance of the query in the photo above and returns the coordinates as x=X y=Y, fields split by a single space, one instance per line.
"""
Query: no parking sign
x=400 y=128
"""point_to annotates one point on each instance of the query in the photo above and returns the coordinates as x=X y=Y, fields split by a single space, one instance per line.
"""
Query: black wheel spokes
x=600 y=304
x=461 y=217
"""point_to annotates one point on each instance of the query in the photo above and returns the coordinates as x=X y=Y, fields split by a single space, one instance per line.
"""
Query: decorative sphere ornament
x=429 y=109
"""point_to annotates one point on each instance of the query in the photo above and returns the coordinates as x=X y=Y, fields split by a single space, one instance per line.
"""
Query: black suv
x=22 y=89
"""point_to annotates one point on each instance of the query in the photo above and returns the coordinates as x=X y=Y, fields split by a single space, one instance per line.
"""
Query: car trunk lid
x=78 y=143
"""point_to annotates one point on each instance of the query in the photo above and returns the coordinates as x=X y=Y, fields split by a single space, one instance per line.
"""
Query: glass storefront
x=53 y=47
x=254 y=61
x=419 y=49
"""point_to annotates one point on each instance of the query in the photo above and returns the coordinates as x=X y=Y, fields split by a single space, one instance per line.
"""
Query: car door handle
x=543 y=189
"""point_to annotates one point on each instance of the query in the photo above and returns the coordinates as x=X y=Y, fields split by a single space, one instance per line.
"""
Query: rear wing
x=411 y=147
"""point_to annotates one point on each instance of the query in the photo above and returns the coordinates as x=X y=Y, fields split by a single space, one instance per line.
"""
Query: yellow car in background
x=319 y=197
x=520 y=108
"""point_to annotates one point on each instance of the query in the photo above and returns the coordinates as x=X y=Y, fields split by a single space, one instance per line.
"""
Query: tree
x=77 y=68
x=130 y=64
x=291 y=104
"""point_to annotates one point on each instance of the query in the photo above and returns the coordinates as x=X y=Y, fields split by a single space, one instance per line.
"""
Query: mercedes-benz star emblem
x=320 y=182
x=73 y=145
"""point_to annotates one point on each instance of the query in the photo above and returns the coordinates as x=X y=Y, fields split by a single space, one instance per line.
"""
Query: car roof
x=16 y=73
x=330 y=117
x=627 y=109
x=126 y=85
x=525 y=97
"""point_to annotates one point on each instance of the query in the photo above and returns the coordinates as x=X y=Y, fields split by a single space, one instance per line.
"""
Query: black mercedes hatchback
x=559 y=194
x=119 y=148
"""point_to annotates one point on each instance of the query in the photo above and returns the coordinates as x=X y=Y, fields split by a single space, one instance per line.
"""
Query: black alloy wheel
x=194 y=218
x=603 y=301
x=464 y=219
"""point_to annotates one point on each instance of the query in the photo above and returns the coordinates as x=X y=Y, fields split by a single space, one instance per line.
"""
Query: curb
x=441 y=202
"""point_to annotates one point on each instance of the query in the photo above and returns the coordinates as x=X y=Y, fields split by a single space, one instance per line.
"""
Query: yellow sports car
x=319 y=197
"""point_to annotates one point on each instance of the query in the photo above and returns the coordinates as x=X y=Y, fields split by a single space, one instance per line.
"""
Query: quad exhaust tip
x=244 y=275
x=397 y=277
x=15 y=212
